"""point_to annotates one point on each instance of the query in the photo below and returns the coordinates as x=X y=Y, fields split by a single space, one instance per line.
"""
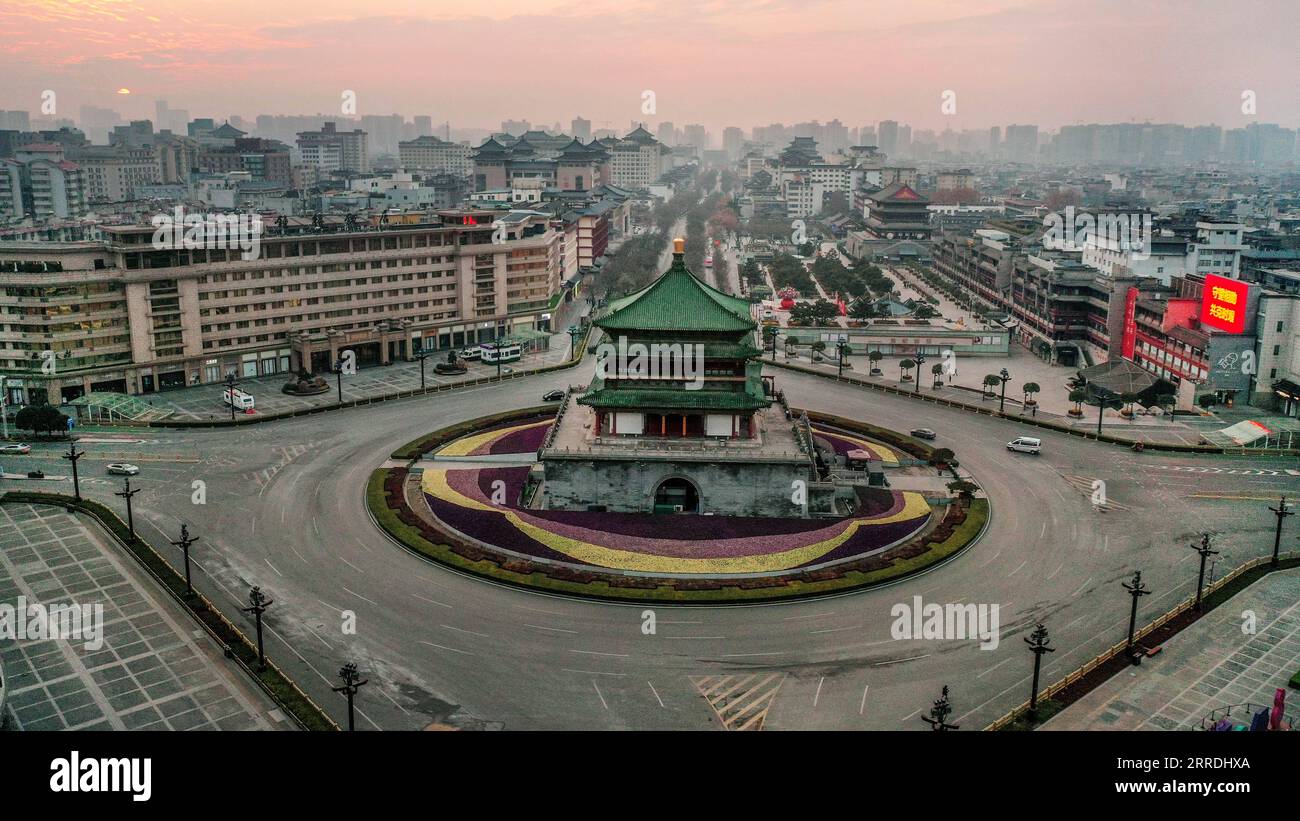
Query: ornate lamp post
x=421 y=355
x=938 y=718
x=258 y=602
x=1038 y=645
x=920 y=360
x=1137 y=590
x=1204 y=549
x=127 y=493
x=574 y=332
x=1005 y=376
x=184 y=543
x=841 y=348
x=231 y=384
x=352 y=682
x=1281 y=512
x=72 y=456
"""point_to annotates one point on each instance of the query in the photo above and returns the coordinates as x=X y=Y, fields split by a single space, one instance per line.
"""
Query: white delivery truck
x=240 y=400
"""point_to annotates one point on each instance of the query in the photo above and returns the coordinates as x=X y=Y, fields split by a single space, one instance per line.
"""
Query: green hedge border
x=520 y=572
x=274 y=681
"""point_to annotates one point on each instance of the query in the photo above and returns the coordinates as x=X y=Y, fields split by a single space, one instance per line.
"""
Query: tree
x=1030 y=388
x=1206 y=401
x=991 y=381
x=1077 y=396
x=941 y=456
x=875 y=357
x=963 y=488
x=937 y=369
x=44 y=419
x=905 y=366
x=924 y=311
x=818 y=347
x=1128 y=399
x=863 y=308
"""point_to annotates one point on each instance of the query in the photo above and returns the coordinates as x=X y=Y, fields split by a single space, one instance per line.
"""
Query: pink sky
x=719 y=62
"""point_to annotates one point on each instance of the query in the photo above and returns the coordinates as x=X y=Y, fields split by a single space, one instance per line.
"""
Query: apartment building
x=332 y=150
x=115 y=173
x=39 y=183
x=120 y=314
x=433 y=154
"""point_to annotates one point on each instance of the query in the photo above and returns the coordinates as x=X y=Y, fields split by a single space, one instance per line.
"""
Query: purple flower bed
x=841 y=445
x=519 y=441
x=681 y=536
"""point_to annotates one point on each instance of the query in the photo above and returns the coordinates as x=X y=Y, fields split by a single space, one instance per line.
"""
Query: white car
x=1026 y=444
x=15 y=448
x=123 y=469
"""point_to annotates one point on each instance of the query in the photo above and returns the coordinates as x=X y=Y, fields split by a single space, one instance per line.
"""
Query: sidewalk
x=156 y=669
x=1210 y=665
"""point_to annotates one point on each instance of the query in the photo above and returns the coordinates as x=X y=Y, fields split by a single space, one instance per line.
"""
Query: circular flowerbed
x=476 y=517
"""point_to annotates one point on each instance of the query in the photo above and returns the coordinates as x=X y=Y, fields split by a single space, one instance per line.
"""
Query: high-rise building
x=432 y=154
x=15 y=121
x=581 y=129
x=1021 y=143
x=667 y=133
x=332 y=150
x=733 y=141
x=889 y=137
x=40 y=183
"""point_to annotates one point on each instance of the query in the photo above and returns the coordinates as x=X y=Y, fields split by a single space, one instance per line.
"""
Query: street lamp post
x=1038 y=645
x=920 y=360
x=4 y=409
x=772 y=334
x=1136 y=589
x=258 y=603
x=1281 y=512
x=127 y=493
x=72 y=456
x=938 y=718
x=352 y=682
x=1005 y=376
x=1204 y=549
x=841 y=348
x=421 y=355
x=338 y=379
x=230 y=393
x=184 y=543
x=574 y=332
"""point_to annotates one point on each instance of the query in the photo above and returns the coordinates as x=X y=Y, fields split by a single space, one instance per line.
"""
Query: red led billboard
x=1223 y=306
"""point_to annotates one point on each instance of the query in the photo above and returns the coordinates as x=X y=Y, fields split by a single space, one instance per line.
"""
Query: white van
x=241 y=401
x=1026 y=444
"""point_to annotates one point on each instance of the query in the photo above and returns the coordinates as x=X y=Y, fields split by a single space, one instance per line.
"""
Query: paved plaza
x=1211 y=665
x=156 y=669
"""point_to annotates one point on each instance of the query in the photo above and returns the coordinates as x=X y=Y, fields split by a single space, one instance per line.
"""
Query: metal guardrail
x=1115 y=649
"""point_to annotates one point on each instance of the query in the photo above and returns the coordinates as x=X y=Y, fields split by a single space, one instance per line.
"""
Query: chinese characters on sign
x=1224 y=304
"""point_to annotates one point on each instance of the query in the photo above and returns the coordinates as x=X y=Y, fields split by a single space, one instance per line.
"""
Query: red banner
x=1130 y=324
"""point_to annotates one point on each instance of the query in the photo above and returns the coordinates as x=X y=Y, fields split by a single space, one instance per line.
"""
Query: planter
x=1077 y=414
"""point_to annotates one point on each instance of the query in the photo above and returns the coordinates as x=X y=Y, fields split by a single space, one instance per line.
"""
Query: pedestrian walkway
x=156 y=669
x=1240 y=653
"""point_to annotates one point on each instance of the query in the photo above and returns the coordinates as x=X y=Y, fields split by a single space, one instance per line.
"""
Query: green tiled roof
x=670 y=399
x=677 y=301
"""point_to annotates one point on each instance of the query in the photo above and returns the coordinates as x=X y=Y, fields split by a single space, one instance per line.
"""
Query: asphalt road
x=284 y=509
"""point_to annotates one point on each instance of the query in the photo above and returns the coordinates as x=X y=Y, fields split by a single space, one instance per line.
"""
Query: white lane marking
x=900 y=661
x=351 y=565
x=832 y=630
x=598 y=693
x=1017 y=570
x=462 y=630
x=552 y=629
x=268 y=564
x=443 y=647
x=1081 y=587
x=591 y=672
x=863 y=705
x=913 y=715
x=746 y=655
x=656 y=692
x=598 y=653
x=817 y=695
x=359 y=596
x=994 y=667
x=1057 y=570
x=809 y=616
x=431 y=601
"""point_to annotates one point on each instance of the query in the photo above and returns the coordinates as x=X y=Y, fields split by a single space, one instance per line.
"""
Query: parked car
x=923 y=433
x=1026 y=444
x=15 y=448
x=553 y=396
x=123 y=469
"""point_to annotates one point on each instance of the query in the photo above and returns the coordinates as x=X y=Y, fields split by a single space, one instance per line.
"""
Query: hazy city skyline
x=1007 y=62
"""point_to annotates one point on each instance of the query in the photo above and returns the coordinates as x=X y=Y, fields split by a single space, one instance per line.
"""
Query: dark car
x=923 y=433
x=553 y=396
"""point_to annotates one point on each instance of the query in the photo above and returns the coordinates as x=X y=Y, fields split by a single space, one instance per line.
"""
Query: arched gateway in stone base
x=679 y=394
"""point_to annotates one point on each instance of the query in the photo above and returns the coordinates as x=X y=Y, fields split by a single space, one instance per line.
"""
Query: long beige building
x=122 y=315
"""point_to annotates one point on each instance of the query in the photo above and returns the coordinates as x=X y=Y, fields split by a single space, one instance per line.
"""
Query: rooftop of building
x=677 y=301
